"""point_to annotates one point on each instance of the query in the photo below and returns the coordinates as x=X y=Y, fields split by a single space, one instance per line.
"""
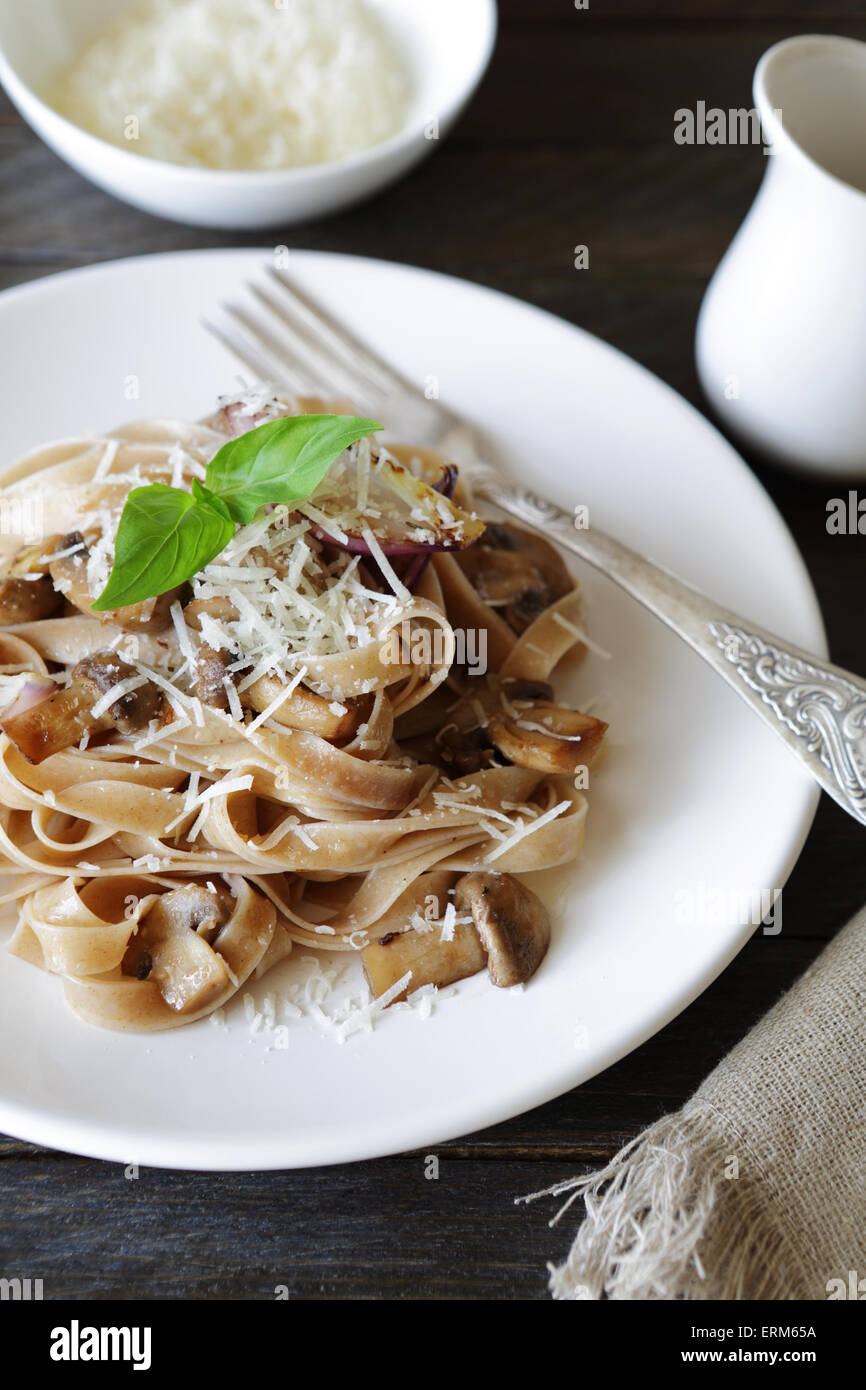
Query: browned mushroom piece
x=427 y=717
x=69 y=569
x=511 y=921
x=222 y=610
x=307 y=712
x=464 y=740
x=61 y=720
x=151 y=615
x=432 y=960
x=548 y=737
x=302 y=710
x=238 y=417
x=69 y=575
x=211 y=674
x=517 y=572
x=173 y=947
x=27 y=592
x=418 y=730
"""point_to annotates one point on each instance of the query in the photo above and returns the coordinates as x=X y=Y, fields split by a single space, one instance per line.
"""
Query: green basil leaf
x=210 y=499
x=165 y=536
x=282 y=461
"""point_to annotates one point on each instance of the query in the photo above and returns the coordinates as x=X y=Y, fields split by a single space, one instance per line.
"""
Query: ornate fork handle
x=817 y=709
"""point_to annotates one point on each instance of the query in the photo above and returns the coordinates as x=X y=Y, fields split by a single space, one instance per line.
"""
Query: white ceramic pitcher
x=781 y=337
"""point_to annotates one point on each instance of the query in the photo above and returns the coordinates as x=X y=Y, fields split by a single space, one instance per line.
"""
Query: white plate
x=697 y=809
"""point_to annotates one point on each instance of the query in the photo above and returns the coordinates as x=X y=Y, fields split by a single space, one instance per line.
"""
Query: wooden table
x=569 y=142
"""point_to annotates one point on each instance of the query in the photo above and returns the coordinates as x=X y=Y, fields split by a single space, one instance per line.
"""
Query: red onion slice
x=415 y=553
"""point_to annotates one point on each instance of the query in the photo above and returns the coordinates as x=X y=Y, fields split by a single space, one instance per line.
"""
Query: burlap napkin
x=757 y=1187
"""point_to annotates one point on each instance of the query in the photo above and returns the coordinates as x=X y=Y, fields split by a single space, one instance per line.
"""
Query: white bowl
x=447 y=46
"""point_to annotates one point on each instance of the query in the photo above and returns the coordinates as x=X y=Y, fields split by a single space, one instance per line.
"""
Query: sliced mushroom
x=303 y=710
x=69 y=571
x=515 y=571
x=428 y=717
x=27 y=592
x=511 y=922
x=516 y=719
x=239 y=416
x=222 y=610
x=431 y=960
x=548 y=737
x=61 y=720
x=464 y=740
x=69 y=574
x=211 y=674
x=243 y=413
x=497 y=922
x=173 y=947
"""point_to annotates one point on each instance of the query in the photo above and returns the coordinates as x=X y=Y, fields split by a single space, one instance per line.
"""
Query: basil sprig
x=166 y=535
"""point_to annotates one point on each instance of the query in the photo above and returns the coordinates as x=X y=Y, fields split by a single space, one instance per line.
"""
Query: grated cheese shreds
x=190 y=801
x=198 y=824
x=580 y=636
x=162 y=732
x=289 y=604
x=524 y=830
x=192 y=791
x=236 y=709
x=548 y=729
x=364 y=1017
x=490 y=828
x=449 y=922
x=184 y=640
x=279 y=700
x=180 y=703
x=455 y=803
x=177 y=460
x=115 y=693
x=224 y=787
x=363 y=475
x=106 y=463
x=385 y=566
x=58 y=555
x=239 y=84
x=329 y=524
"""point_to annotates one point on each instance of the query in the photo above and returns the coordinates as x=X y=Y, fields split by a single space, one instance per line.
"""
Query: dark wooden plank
x=517 y=214
x=208 y=1236
x=619 y=83
x=665 y=14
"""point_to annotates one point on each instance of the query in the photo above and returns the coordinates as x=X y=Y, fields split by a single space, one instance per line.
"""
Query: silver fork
x=816 y=708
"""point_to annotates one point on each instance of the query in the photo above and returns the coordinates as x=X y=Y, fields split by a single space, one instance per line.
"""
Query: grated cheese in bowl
x=239 y=84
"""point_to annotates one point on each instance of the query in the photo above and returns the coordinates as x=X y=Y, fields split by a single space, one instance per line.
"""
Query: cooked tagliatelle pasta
x=339 y=732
